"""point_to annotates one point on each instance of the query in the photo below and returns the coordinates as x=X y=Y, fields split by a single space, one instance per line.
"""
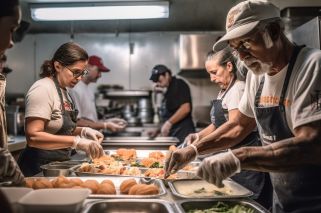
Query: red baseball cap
x=97 y=61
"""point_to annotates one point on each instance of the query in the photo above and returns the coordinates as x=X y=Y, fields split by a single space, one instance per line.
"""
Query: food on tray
x=158 y=173
x=42 y=183
x=157 y=155
x=126 y=185
x=200 y=188
x=108 y=182
x=172 y=148
x=143 y=189
x=134 y=171
x=91 y=184
x=125 y=154
x=103 y=169
x=106 y=188
x=105 y=159
x=224 y=207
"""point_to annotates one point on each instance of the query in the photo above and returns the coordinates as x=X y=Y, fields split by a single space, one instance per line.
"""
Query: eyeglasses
x=77 y=74
x=246 y=44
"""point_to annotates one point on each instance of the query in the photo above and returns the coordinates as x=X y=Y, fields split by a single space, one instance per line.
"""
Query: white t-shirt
x=84 y=100
x=42 y=101
x=233 y=96
x=303 y=95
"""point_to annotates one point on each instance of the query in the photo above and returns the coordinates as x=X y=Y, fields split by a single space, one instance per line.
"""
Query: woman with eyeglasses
x=222 y=69
x=51 y=116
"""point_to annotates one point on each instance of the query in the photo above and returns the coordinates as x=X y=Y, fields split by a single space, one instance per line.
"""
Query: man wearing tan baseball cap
x=282 y=98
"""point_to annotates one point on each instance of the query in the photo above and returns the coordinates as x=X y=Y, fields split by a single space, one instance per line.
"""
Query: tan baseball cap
x=244 y=17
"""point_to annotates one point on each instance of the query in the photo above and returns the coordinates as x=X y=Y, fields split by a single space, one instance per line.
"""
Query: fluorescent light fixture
x=99 y=11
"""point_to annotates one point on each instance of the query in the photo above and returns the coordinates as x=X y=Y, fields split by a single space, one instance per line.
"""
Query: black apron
x=180 y=129
x=300 y=190
x=252 y=180
x=32 y=158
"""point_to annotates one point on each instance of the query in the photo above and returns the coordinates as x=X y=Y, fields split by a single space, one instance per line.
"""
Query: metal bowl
x=56 y=170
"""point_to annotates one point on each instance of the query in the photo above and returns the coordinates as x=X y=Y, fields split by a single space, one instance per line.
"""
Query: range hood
x=193 y=49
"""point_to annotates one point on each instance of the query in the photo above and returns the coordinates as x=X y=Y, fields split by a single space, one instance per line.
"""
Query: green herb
x=201 y=190
x=221 y=207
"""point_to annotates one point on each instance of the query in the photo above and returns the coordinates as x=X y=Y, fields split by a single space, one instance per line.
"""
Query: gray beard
x=257 y=67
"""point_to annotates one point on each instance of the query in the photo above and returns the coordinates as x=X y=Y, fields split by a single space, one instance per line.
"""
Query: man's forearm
x=285 y=155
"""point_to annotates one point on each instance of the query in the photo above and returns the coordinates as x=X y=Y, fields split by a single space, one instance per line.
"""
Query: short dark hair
x=67 y=54
x=7 y=7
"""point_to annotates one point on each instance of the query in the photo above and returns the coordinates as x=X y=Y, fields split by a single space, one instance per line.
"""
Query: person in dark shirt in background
x=176 y=109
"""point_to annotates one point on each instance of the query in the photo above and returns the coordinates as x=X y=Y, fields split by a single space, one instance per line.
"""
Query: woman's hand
x=92 y=134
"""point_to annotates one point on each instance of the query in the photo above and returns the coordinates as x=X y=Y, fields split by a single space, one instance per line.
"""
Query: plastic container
x=54 y=200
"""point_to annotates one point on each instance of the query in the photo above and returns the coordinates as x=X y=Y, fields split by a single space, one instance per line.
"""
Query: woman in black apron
x=258 y=182
x=57 y=73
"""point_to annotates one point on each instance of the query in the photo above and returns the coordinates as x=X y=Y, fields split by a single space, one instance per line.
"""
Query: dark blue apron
x=252 y=180
x=180 y=129
x=298 y=191
x=32 y=158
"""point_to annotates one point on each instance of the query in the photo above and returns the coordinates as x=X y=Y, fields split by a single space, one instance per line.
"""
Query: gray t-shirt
x=42 y=101
x=303 y=96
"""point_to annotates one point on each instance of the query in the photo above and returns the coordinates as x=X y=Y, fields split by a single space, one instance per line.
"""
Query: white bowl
x=15 y=193
x=54 y=200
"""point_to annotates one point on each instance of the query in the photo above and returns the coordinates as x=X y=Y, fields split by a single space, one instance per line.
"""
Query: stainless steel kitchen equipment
x=191 y=204
x=201 y=189
x=158 y=143
x=308 y=33
x=133 y=206
x=57 y=169
x=13 y=119
x=137 y=105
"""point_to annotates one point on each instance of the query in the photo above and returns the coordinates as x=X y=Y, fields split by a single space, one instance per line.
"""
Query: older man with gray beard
x=282 y=96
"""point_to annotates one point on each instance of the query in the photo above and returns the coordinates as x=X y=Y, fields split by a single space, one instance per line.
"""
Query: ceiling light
x=99 y=11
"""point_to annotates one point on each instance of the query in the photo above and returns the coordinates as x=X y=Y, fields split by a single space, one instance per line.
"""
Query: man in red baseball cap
x=84 y=99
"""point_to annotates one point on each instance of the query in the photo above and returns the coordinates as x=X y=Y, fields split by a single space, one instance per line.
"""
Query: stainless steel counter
x=17 y=143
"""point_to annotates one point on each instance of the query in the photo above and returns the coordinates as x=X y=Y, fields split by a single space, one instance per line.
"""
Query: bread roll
x=59 y=181
x=109 y=182
x=143 y=189
x=126 y=185
x=93 y=185
x=106 y=188
x=76 y=181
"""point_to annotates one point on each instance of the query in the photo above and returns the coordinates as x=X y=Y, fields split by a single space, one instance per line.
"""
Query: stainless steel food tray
x=186 y=205
x=181 y=175
x=130 y=205
x=117 y=181
x=141 y=139
x=234 y=189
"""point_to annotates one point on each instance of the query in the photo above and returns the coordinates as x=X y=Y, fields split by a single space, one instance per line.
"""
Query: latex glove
x=9 y=170
x=90 y=147
x=216 y=168
x=92 y=134
x=193 y=137
x=118 y=121
x=153 y=133
x=166 y=128
x=114 y=126
x=178 y=159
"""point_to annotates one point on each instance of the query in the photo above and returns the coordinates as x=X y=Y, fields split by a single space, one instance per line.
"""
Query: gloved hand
x=9 y=170
x=92 y=134
x=118 y=121
x=193 y=137
x=178 y=159
x=166 y=128
x=90 y=147
x=115 y=124
x=216 y=168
